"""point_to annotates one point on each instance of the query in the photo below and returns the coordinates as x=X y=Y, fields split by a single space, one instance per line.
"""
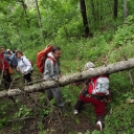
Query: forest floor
x=41 y=122
x=53 y=123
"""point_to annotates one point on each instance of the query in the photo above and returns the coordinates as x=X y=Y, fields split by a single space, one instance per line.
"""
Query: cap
x=89 y=65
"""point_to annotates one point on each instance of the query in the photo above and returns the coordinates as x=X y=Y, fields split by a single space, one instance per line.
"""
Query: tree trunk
x=20 y=40
x=125 y=10
x=25 y=12
x=39 y=20
x=93 y=10
x=6 y=37
x=84 y=16
x=115 y=13
x=65 y=80
x=24 y=6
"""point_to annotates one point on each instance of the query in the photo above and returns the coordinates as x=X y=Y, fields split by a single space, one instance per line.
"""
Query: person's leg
x=27 y=77
x=99 y=108
x=78 y=106
x=7 y=79
x=98 y=105
x=58 y=97
x=100 y=122
x=49 y=94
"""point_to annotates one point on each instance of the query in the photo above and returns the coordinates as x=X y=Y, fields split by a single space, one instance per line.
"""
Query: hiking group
x=95 y=90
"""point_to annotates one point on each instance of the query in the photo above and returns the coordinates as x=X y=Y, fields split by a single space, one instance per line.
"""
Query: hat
x=89 y=65
x=8 y=50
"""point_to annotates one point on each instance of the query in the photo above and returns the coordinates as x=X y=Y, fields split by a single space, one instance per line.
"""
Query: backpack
x=41 y=57
x=99 y=86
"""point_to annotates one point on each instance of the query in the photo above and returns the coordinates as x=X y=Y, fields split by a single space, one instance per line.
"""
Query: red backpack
x=99 y=86
x=41 y=57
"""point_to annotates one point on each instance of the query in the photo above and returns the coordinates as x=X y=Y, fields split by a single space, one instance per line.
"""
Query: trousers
x=27 y=77
x=56 y=94
x=7 y=79
x=99 y=106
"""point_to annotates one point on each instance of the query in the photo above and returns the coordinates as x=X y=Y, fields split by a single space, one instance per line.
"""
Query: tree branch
x=65 y=80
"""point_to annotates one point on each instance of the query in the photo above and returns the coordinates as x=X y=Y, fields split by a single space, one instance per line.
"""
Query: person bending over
x=95 y=92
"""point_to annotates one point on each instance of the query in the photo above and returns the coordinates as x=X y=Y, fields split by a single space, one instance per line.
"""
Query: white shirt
x=24 y=65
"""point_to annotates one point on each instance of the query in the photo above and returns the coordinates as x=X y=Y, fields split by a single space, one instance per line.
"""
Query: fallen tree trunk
x=65 y=80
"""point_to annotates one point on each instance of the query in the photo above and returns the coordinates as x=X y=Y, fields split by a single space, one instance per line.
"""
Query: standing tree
x=125 y=9
x=84 y=16
x=39 y=20
x=93 y=10
x=24 y=6
x=115 y=9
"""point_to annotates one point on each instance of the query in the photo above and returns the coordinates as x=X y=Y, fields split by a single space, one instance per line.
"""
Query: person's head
x=19 y=54
x=56 y=51
x=14 y=51
x=2 y=50
x=89 y=65
x=8 y=50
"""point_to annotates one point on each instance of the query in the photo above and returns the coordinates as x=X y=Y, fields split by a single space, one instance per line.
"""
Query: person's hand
x=17 y=69
x=24 y=72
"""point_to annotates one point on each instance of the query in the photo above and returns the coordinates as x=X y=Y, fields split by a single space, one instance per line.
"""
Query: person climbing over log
x=24 y=66
x=95 y=92
x=4 y=69
x=52 y=72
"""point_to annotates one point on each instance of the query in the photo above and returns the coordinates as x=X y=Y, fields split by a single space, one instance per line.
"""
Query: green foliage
x=23 y=112
x=62 y=26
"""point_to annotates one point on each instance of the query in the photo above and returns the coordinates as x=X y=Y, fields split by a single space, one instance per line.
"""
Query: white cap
x=89 y=65
x=8 y=50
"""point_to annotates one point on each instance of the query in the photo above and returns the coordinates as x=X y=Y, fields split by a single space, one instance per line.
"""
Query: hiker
x=12 y=59
x=4 y=69
x=97 y=93
x=52 y=71
x=24 y=66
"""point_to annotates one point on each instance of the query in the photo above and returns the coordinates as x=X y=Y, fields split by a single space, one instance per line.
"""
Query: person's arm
x=51 y=69
x=80 y=82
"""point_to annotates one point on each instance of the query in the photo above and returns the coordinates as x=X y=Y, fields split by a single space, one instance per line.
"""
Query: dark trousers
x=27 y=77
x=7 y=79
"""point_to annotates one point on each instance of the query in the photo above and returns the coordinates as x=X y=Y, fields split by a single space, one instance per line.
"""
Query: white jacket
x=24 y=65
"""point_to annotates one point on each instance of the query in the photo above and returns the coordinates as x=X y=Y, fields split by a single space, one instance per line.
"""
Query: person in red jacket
x=4 y=69
x=96 y=92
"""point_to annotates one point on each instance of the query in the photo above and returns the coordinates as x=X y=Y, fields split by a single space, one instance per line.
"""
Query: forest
x=100 y=31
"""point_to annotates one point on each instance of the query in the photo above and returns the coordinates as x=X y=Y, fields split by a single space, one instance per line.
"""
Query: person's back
x=3 y=62
x=4 y=66
x=13 y=59
x=52 y=68
x=7 y=57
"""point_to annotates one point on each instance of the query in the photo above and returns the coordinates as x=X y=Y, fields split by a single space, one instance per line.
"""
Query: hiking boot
x=99 y=126
x=76 y=112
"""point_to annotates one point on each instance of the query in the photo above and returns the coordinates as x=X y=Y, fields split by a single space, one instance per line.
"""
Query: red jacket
x=6 y=66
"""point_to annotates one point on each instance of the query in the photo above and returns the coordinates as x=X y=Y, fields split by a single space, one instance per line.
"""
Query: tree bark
x=24 y=6
x=125 y=10
x=6 y=37
x=115 y=13
x=39 y=20
x=20 y=40
x=65 y=80
x=84 y=16
x=93 y=10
